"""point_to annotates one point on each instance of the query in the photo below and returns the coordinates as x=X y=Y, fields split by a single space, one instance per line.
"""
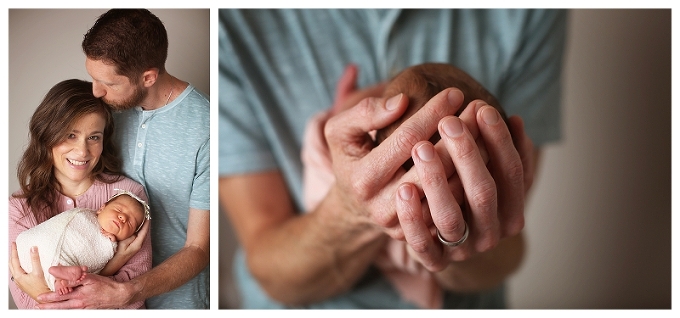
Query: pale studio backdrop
x=44 y=49
x=599 y=219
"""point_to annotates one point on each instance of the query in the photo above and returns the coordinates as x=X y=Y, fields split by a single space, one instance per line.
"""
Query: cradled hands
x=475 y=175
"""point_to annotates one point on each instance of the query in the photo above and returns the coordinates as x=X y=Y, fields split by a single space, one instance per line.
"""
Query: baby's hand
x=108 y=235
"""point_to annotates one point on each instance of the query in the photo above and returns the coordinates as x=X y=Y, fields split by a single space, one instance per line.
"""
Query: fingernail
x=452 y=127
x=479 y=106
x=455 y=97
x=490 y=116
x=393 y=102
x=425 y=152
x=405 y=192
x=34 y=249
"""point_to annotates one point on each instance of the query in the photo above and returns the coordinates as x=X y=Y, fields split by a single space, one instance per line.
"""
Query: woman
x=70 y=162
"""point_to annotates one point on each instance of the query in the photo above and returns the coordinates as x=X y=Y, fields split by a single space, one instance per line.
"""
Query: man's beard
x=137 y=97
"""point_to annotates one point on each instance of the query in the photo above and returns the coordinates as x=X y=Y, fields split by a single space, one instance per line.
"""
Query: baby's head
x=422 y=82
x=123 y=215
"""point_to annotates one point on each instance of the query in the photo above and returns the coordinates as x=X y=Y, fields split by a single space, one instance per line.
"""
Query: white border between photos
x=214 y=250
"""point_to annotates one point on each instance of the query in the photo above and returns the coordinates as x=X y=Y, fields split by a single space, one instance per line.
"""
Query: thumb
x=347 y=132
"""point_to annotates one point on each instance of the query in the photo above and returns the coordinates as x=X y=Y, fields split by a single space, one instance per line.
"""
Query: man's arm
x=101 y=292
x=296 y=258
x=183 y=265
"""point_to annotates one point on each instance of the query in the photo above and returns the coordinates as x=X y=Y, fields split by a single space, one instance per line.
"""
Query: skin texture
x=302 y=258
x=78 y=154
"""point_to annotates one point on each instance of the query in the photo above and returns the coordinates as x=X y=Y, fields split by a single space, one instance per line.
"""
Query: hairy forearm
x=484 y=271
x=314 y=256
x=172 y=273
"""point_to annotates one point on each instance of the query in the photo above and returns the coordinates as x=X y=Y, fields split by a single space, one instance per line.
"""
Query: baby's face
x=121 y=217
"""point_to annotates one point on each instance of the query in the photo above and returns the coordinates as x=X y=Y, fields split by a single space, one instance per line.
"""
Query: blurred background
x=44 y=49
x=599 y=216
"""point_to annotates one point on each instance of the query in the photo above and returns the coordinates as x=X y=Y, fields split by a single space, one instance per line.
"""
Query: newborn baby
x=83 y=240
x=419 y=83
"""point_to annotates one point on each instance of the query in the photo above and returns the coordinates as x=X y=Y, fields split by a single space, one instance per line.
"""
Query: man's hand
x=368 y=177
x=94 y=292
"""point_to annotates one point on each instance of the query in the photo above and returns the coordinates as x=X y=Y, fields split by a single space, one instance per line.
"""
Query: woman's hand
x=32 y=283
x=492 y=172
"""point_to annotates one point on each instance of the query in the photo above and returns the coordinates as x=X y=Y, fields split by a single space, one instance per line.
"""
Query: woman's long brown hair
x=63 y=105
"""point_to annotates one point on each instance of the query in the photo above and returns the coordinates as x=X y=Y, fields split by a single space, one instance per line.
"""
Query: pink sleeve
x=17 y=224
x=140 y=262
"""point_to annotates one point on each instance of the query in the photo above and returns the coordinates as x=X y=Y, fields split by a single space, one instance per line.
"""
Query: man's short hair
x=133 y=40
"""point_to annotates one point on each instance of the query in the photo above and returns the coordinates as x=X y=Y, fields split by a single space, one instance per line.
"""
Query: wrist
x=133 y=290
x=337 y=213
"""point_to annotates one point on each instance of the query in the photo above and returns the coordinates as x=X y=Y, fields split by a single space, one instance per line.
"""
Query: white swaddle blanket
x=72 y=237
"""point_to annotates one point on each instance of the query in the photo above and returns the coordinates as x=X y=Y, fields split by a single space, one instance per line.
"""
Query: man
x=163 y=132
x=280 y=67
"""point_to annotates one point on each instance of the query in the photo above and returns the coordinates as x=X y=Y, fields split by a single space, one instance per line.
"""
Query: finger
x=507 y=168
x=525 y=147
x=348 y=139
x=15 y=264
x=469 y=116
x=446 y=213
x=420 y=126
x=52 y=300
x=346 y=84
x=480 y=189
x=145 y=228
x=35 y=260
x=416 y=233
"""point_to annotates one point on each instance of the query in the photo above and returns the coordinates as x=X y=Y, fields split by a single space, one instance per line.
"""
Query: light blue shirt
x=280 y=67
x=167 y=150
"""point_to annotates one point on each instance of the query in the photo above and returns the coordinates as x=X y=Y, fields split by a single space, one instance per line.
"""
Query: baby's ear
x=100 y=209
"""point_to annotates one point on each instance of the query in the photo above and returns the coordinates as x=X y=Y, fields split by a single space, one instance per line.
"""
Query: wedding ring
x=456 y=243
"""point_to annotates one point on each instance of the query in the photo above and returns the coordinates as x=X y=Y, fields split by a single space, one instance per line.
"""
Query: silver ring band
x=456 y=243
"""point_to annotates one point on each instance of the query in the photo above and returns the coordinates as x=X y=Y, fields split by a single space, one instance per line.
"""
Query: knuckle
x=488 y=240
x=451 y=224
x=433 y=179
x=406 y=137
x=420 y=246
x=485 y=196
x=515 y=173
x=515 y=227
x=465 y=150
x=360 y=188
x=365 y=107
